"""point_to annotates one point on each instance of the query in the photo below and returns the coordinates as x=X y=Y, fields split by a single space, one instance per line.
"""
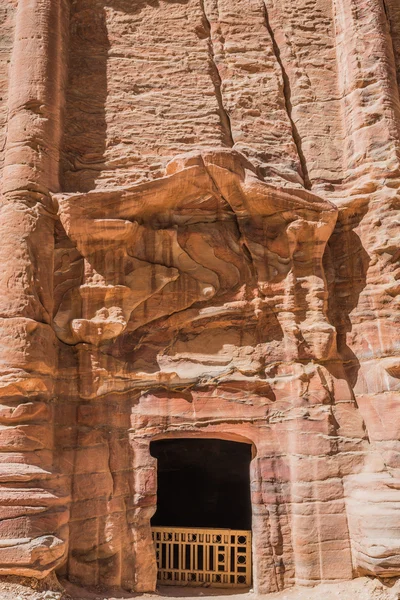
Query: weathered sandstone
x=199 y=236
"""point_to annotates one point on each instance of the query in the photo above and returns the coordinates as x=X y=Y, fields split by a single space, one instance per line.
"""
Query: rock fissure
x=216 y=79
x=288 y=101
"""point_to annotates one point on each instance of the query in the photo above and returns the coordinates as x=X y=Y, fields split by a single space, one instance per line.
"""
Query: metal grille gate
x=210 y=557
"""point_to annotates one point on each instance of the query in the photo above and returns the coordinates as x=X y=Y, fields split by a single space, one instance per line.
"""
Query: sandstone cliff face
x=7 y=20
x=200 y=237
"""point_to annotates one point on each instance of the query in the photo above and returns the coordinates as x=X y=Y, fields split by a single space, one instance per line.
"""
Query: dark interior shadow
x=202 y=483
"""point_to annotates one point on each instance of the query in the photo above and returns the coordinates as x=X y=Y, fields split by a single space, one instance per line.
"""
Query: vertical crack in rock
x=216 y=79
x=288 y=102
x=385 y=9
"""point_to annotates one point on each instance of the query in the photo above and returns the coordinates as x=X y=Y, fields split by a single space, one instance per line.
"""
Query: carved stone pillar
x=33 y=522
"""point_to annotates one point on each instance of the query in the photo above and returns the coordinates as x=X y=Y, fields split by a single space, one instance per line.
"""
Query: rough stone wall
x=200 y=237
x=7 y=23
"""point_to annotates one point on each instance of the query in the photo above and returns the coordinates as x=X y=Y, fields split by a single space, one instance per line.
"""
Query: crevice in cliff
x=217 y=82
x=288 y=102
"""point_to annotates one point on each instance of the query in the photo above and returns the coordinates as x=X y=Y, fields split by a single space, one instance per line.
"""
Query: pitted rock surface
x=199 y=237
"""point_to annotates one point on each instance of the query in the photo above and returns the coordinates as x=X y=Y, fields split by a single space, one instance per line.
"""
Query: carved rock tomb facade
x=199 y=239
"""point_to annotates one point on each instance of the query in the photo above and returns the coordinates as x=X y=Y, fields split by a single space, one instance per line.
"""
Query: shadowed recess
x=202 y=483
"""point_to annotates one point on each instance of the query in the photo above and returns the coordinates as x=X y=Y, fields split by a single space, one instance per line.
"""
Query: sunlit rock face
x=199 y=238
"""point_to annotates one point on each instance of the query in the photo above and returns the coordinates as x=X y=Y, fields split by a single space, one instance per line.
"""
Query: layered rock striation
x=199 y=237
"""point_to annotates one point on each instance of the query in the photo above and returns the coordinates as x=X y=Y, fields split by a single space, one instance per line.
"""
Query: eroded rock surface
x=199 y=237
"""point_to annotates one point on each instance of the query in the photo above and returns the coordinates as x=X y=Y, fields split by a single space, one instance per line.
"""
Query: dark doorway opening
x=202 y=483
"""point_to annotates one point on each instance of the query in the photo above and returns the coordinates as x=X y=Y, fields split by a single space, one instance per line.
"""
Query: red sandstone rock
x=199 y=237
